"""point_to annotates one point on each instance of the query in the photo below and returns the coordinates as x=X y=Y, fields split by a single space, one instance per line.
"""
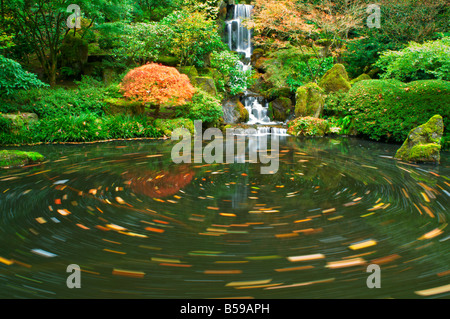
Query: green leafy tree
x=45 y=24
x=430 y=60
x=194 y=37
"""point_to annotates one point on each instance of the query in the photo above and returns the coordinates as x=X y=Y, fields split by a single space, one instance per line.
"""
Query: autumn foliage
x=157 y=84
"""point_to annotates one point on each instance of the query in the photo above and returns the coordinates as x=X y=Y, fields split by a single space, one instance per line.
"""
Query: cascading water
x=239 y=40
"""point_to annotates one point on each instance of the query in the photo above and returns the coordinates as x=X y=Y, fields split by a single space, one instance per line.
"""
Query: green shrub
x=363 y=53
x=83 y=128
x=294 y=67
x=389 y=109
x=5 y=124
x=233 y=79
x=203 y=107
x=87 y=97
x=13 y=77
x=430 y=60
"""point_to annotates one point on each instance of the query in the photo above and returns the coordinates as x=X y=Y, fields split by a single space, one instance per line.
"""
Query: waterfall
x=240 y=41
x=239 y=37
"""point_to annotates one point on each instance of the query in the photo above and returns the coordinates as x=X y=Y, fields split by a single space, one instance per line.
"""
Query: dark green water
x=140 y=226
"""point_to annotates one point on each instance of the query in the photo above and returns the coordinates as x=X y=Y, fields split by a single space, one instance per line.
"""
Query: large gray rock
x=234 y=111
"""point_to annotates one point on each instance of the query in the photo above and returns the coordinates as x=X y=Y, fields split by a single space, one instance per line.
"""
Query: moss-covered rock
x=168 y=60
x=309 y=100
x=335 y=80
x=424 y=142
x=116 y=106
x=207 y=84
x=167 y=126
x=280 y=108
x=190 y=71
x=308 y=126
x=277 y=92
x=14 y=158
x=17 y=120
x=362 y=77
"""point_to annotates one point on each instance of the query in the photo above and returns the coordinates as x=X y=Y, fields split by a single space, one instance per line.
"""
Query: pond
x=140 y=226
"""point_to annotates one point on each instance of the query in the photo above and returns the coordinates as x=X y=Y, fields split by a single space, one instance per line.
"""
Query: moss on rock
x=280 y=108
x=167 y=126
x=424 y=142
x=15 y=158
x=335 y=80
x=190 y=71
x=116 y=106
x=362 y=77
x=310 y=100
x=207 y=84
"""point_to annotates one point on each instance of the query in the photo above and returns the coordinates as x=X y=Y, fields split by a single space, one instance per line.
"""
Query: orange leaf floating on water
x=248 y=283
x=433 y=291
x=431 y=234
x=385 y=260
x=427 y=210
x=425 y=197
x=63 y=212
x=82 y=226
x=6 y=261
x=156 y=230
x=223 y=272
x=115 y=227
x=58 y=201
x=363 y=244
x=128 y=273
x=294 y=268
x=120 y=200
x=41 y=220
x=327 y=211
x=346 y=263
x=288 y=235
x=212 y=208
x=93 y=191
x=160 y=221
x=228 y=214
x=306 y=257
x=115 y=251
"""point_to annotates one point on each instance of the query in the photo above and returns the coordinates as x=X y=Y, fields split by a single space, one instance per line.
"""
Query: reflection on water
x=140 y=226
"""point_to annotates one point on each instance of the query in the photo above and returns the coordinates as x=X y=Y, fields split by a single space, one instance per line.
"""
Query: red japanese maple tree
x=158 y=85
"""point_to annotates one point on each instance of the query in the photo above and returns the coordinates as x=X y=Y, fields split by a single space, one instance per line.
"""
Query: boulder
x=190 y=71
x=423 y=143
x=13 y=158
x=335 y=80
x=167 y=126
x=309 y=100
x=20 y=119
x=234 y=111
x=362 y=77
x=280 y=108
x=123 y=106
x=207 y=84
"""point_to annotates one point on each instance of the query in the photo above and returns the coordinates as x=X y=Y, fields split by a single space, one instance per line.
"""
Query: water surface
x=140 y=226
